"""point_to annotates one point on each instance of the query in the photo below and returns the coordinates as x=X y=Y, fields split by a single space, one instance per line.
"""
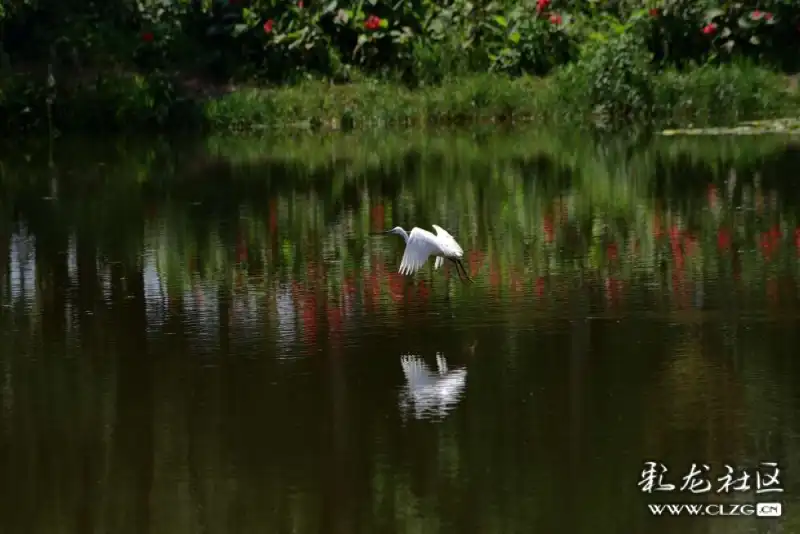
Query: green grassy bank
x=237 y=65
x=701 y=97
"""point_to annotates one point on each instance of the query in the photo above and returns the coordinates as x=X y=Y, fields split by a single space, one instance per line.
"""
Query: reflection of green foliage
x=257 y=212
x=496 y=190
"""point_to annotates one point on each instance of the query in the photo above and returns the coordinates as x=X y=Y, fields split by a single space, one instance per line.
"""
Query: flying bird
x=421 y=244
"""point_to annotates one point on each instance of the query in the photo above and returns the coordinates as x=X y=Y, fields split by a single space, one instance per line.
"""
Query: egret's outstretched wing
x=418 y=375
x=421 y=244
x=447 y=242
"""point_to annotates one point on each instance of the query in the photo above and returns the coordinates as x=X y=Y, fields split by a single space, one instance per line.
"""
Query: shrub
x=612 y=82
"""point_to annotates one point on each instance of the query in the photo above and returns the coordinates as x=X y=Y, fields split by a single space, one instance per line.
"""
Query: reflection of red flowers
x=555 y=19
x=147 y=37
x=475 y=260
x=797 y=238
x=396 y=282
x=710 y=29
x=548 y=228
x=377 y=217
x=541 y=5
x=611 y=251
x=334 y=318
x=268 y=26
x=654 y=12
x=349 y=285
x=723 y=239
x=540 y=286
x=769 y=240
x=372 y=22
x=674 y=235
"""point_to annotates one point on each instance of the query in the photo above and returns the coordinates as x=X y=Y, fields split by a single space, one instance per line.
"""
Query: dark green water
x=203 y=337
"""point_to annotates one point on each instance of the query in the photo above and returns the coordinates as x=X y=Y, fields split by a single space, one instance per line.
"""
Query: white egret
x=429 y=392
x=421 y=244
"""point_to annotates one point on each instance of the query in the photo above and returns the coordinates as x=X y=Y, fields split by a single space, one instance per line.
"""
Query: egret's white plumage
x=426 y=392
x=422 y=244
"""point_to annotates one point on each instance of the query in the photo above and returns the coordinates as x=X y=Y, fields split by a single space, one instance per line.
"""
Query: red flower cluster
x=268 y=26
x=654 y=12
x=372 y=22
x=300 y=4
x=541 y=5
x=710 y=29
x=556 y=19
x=147 y=37
x=758 y=15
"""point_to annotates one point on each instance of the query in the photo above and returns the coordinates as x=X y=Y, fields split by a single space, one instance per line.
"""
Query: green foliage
x=612 y=82
x=715 y=96
x=608 y=57
x=285 y=40
x=107 y=102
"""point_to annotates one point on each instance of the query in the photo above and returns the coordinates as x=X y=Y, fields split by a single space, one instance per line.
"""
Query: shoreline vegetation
x=257 y=65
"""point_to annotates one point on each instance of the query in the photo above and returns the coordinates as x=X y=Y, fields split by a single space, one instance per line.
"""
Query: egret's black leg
x=457 y=269
x=463 y=268
x=460 y=264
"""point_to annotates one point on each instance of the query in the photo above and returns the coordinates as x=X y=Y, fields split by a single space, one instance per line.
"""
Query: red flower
x=372 y=22
x=555 y=19
x=147 y=37
x=768 y=16
x=300 y=4
x=654 y=12
x=710 y=29
x=541 y=5
x=755 y=15
x=268 y=26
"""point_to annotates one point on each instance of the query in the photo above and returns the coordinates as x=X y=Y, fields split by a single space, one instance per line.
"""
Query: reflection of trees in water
x=106 y=427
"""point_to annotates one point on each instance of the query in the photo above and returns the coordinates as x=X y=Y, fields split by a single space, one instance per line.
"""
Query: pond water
x=203 y=336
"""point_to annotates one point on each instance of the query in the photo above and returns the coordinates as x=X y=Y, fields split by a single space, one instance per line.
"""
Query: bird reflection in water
x=430 y=395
